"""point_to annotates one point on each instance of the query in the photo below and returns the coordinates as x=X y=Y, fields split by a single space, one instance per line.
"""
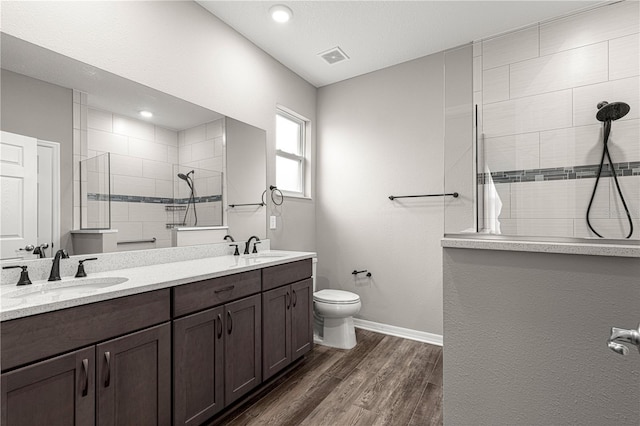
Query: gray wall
x=201 y=60
x=526 y=339
x=44 y=111
x=382 y=134
x=246 y=178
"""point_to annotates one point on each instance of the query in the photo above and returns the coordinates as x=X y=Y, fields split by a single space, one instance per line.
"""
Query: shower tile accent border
x=151 y=200
x=631 y=168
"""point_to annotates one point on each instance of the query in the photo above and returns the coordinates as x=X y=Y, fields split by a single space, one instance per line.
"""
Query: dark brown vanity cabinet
x=133 y=381
x=198 y=366
x=287 y=318
x=219 y=338
x=61 y=388
x=217 y=352
x=112 y=380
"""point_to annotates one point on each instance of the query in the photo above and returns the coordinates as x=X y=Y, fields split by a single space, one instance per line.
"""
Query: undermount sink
x=265 y=255
x=78 y=286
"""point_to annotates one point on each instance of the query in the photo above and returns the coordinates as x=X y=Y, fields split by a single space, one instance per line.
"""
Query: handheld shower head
x=182 y=176
x=612 y=111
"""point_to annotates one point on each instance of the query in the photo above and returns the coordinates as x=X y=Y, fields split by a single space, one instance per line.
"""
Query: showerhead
x=186 y=177
x=612 y=111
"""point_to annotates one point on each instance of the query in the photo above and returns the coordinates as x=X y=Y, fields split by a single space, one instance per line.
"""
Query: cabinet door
x=198 y=367
x=301 y=318
x=59 y=390
x=276 y=329
x=134 y=378
x=242 y=347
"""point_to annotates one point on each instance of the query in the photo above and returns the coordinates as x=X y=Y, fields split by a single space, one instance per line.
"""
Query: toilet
x=333 y=312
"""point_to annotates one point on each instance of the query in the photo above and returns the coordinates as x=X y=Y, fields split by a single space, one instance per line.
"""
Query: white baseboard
x=392 y=330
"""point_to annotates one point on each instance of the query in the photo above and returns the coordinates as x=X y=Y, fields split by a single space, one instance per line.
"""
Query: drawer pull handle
x=229 y=322
x=219 y=326
x=85 y=373
x=224 y=289
x=295 y=298
x=287 y=299
x=107 y=379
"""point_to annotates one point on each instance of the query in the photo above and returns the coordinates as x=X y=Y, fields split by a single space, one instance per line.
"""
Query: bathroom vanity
x=176 y=343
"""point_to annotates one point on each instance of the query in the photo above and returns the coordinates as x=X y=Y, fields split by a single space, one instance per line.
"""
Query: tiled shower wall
x=540 y=145
x=201 y=149
x=144 y=162
x=142 y=158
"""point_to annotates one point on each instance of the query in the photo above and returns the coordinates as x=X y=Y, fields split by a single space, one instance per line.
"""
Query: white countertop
x=546 y=245
x=43 y=296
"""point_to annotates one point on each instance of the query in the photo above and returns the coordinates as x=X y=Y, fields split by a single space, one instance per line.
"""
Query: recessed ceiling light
x=280 y=13
x=146 y=114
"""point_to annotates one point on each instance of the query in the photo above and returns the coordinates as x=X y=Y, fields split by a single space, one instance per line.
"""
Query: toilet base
x=337 y=333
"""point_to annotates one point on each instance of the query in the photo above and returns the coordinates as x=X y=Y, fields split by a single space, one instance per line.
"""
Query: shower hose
x=605 y=151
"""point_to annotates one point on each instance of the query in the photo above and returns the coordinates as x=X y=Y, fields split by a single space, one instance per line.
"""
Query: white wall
x=381 y=134
x=181 y=49
x=538 y=89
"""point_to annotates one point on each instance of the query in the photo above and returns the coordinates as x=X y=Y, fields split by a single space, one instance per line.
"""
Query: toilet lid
x=335 y=296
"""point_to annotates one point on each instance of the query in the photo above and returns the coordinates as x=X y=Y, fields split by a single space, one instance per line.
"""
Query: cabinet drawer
x=279 y=275
x=205 y=294
x=29 y=339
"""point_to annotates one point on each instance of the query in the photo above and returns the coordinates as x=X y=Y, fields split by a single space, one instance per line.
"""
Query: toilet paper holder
x=356 y=272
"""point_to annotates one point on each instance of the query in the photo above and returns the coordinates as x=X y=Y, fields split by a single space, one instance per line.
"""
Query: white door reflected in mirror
x=18 y=193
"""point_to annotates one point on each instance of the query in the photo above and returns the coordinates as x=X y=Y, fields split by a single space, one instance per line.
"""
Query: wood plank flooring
x=384 y=380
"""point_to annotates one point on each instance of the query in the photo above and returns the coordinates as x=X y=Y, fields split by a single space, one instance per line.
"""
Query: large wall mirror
x=94 y=162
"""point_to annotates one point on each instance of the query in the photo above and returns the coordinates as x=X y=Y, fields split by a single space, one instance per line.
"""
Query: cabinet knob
x=229 y=322
x=219 y=326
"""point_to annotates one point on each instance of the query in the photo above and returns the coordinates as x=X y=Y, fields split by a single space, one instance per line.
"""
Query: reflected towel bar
x=152 y=240
x=451 y=194
x=250 y=204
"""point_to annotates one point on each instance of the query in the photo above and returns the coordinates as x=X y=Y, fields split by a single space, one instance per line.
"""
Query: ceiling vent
x=333 y=55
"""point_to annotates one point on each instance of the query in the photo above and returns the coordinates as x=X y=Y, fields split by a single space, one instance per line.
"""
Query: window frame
x=301 y=158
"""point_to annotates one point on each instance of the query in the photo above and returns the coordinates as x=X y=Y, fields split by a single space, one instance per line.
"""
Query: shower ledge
x=579 y=246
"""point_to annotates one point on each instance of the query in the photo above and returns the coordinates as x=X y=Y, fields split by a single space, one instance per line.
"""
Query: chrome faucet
x=623 y=335
x=246 y=247
x=55 y=269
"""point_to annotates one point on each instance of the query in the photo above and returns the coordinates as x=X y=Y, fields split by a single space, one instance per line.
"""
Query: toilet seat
x=336 y=297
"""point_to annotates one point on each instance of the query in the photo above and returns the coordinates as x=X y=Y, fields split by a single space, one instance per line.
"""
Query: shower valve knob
x=624 y=336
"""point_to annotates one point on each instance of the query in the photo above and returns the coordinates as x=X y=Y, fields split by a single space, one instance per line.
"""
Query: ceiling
x=376 y=34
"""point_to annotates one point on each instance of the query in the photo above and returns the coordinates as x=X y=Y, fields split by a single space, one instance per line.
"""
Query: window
x=290 y=153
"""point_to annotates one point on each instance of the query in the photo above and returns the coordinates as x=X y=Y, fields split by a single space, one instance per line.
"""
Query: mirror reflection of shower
x=192 y=200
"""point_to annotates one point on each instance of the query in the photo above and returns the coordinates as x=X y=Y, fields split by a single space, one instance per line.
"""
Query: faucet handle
x=236 y=252
x=24 y=275
x=255 y=248
x=81 y=272
x=623 y=335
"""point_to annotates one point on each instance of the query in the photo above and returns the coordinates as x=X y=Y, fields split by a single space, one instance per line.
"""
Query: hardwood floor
x=384 y=380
